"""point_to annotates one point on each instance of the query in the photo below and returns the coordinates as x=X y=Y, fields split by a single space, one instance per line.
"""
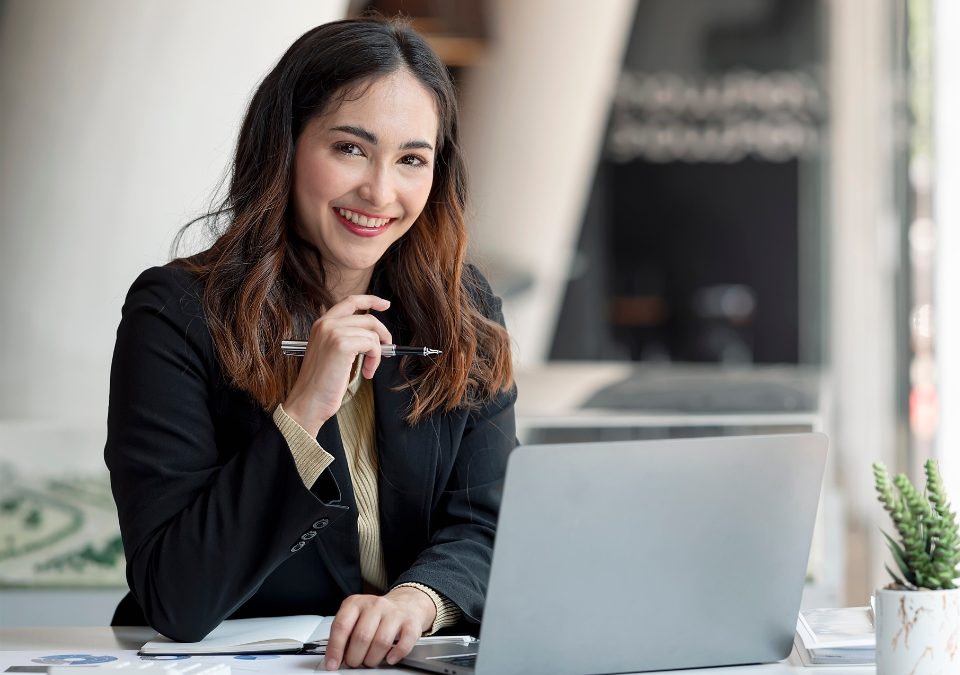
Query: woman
x=250 y=483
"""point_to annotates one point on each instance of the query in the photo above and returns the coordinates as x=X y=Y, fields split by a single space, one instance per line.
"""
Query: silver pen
x=299 y=348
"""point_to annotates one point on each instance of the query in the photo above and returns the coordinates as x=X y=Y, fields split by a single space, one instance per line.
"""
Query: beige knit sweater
x=356 y=421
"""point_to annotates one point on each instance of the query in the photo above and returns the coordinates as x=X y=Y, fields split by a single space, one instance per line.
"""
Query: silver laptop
x=645 y=555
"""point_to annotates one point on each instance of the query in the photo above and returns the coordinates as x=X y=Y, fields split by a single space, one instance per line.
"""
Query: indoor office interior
x=703 y=217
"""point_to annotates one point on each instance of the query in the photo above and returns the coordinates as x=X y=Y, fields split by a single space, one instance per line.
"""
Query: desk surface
x=563 y=394
x=21 y=646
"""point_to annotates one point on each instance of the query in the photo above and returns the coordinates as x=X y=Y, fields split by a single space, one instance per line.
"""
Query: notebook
x=645 y=555
x=303 y=634
x=251 y=636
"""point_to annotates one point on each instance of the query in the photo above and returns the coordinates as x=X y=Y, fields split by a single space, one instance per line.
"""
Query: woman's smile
x=361 y=223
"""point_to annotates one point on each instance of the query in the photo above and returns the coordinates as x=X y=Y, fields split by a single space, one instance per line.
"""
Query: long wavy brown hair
x=263 y=283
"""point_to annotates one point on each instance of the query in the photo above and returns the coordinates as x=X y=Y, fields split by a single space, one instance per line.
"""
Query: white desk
x=20 y=646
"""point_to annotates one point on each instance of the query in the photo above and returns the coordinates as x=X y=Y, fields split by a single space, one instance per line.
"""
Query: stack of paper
x=836 y=636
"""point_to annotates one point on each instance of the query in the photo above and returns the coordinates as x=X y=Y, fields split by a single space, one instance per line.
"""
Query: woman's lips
x=361 y=230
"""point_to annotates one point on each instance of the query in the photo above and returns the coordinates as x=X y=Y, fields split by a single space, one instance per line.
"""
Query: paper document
x=836 y=636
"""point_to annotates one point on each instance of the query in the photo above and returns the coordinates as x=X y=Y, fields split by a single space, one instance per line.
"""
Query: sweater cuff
x=448 y=613
x=310 y=458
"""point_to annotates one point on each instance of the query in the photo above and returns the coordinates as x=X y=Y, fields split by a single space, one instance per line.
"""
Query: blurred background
x=704 y=217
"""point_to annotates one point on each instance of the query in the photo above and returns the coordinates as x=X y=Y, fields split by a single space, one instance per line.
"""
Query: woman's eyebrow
x=370 y=137
x=416 y=145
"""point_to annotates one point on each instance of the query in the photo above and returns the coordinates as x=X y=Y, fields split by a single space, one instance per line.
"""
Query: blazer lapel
x=339 y=546
x=408 y=468
x=408 y=455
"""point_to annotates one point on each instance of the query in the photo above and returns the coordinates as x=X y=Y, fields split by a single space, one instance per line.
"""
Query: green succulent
x=928 y=551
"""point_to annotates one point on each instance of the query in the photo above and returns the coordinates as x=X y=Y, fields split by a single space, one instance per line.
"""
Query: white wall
x=117 y=119
x=539 y=104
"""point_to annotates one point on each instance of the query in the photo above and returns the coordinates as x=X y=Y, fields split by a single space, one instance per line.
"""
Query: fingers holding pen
x=334 y=343
x=372 y=357
x=367 y=327
x=365 y=322
x=341 y=326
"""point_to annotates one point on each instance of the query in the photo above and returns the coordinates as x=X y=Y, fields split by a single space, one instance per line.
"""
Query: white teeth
x=361 y=220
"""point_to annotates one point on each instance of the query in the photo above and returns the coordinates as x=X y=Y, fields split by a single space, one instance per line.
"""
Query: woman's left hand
x=369 y=628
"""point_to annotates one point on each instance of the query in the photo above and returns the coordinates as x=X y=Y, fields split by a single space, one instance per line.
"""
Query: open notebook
x=251 y=636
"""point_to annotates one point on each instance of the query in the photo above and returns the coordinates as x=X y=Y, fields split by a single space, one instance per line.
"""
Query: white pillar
x=863 y=258
x=534 y=118
x=946 y=150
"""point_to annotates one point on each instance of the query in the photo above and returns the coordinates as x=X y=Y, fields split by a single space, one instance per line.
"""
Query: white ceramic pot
x=918 y=632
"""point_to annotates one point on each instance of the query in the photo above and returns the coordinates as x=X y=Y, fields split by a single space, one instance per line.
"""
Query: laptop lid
x=648 y=555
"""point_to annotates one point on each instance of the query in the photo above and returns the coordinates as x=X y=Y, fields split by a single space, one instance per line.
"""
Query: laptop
x=633 y=556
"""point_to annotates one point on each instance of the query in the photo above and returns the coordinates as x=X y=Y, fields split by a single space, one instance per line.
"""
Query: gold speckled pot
x=918 y=632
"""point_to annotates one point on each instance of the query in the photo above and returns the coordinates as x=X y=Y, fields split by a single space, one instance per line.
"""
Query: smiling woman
x=250 y=483
x=362 y=175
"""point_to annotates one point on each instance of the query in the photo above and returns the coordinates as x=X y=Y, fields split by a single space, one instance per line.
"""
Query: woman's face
x=362 y=174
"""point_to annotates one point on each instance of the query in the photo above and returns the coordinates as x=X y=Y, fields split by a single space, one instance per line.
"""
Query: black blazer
x=211 y=505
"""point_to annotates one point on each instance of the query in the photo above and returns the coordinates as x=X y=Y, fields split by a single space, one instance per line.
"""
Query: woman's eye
x=349 y=148
x=413 y=160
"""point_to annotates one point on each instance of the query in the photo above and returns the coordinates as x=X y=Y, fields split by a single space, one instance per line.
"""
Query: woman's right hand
x=332 y=348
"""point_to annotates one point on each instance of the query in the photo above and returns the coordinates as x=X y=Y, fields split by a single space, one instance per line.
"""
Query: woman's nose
x=378 y=189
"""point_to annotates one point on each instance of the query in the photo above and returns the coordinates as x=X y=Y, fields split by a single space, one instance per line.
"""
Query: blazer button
x=307 y=536
x=322 y=523
x=297 y=546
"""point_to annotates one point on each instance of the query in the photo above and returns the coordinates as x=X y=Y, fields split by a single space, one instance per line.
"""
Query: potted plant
x=918 y=615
